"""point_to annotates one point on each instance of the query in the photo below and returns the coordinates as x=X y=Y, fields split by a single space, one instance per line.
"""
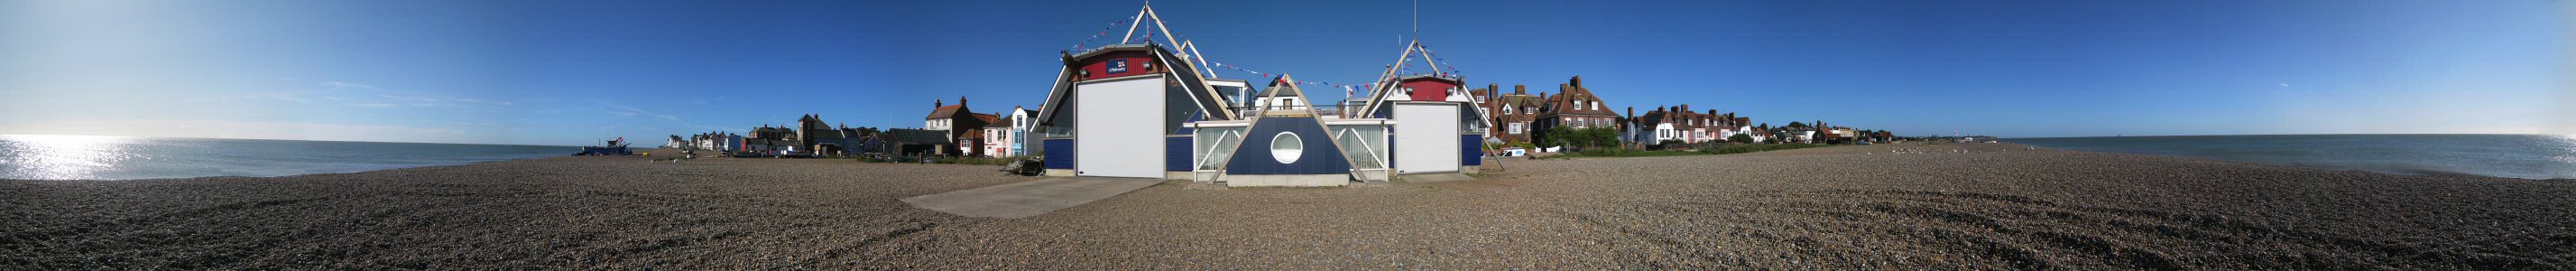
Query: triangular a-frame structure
x=1439 y=129
x=1390 y=80
x=1285 y=146
x=1114 y=110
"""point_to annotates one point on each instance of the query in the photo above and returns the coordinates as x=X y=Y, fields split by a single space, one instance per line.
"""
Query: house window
x=1515 y=128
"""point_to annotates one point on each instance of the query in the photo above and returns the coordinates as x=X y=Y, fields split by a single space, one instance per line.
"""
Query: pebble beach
x=1888 y=206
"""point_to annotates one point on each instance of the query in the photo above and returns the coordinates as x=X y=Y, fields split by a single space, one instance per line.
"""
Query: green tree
x=1794 y=124
x=1553 y=138
x=1741 y=138
x=1580 y=138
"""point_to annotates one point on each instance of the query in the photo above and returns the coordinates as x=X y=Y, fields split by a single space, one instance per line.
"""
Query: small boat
x=613 y=147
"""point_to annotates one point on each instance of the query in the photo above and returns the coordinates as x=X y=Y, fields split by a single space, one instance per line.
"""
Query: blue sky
x=567 y=72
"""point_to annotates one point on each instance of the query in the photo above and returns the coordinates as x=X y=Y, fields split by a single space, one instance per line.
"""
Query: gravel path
x=1986 y=206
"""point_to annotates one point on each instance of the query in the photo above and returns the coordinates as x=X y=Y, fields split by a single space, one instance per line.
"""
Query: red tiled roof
x=943 y=112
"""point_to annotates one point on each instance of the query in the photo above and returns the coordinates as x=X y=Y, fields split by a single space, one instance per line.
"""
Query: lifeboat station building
x=1144 y=110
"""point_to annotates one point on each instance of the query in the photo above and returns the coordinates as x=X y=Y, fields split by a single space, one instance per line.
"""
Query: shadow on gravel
x=1897 y=229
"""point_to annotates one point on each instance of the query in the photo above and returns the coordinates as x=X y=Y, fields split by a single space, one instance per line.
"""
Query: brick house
x=1512 y=113
x=964 y=126
x=1573 y=107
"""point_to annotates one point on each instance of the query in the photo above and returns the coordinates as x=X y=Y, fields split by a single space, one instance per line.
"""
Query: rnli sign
x=1117 y=66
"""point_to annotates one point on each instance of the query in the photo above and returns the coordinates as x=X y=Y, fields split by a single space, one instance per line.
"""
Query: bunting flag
x=1104 y=31
x=1444 y=62
x=1267 y=75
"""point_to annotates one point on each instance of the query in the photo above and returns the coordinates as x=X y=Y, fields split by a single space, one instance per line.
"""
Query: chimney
x=1521 y=89
x=936 y=103
x=1684 y=109
x=1632 y=112
x=961 y=101
x=1577 y=81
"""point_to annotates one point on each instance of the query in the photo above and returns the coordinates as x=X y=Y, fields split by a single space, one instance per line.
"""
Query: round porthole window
x=1286 y=147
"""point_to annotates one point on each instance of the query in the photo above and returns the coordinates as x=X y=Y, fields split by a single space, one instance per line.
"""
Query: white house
x=1006 y=136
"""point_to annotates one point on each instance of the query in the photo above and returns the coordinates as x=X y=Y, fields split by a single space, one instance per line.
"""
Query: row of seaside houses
x=1154 y=109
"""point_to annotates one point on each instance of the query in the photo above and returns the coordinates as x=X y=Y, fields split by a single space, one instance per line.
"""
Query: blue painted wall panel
x=1176 y=153
x=1318 y=156
x=1059 y=153
x=1471 y=146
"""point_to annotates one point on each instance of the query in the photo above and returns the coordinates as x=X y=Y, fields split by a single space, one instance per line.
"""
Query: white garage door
x=1119 y=129
x=1426 y=138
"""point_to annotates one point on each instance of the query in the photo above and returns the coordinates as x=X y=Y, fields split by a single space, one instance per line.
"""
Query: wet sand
x=1995 y=206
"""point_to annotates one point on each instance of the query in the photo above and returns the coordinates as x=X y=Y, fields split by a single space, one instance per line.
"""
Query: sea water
x=49 y=157
x=2511 y=156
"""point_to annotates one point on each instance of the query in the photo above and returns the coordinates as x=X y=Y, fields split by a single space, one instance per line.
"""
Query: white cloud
x=623 y=110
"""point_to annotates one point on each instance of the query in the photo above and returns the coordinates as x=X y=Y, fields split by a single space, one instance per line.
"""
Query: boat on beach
x=612 y=147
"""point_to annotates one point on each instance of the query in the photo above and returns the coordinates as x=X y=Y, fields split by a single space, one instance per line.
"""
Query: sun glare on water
x=2566 y=166
x=60 y=157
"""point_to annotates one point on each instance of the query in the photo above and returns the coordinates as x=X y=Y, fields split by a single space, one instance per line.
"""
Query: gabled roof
x=1286 y=86
x=1450 y=78
x=1210 y=105
x=1573 y=90
x=1652 y=118
x=944 y=112
x=987 y=118
x=1275 y=89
